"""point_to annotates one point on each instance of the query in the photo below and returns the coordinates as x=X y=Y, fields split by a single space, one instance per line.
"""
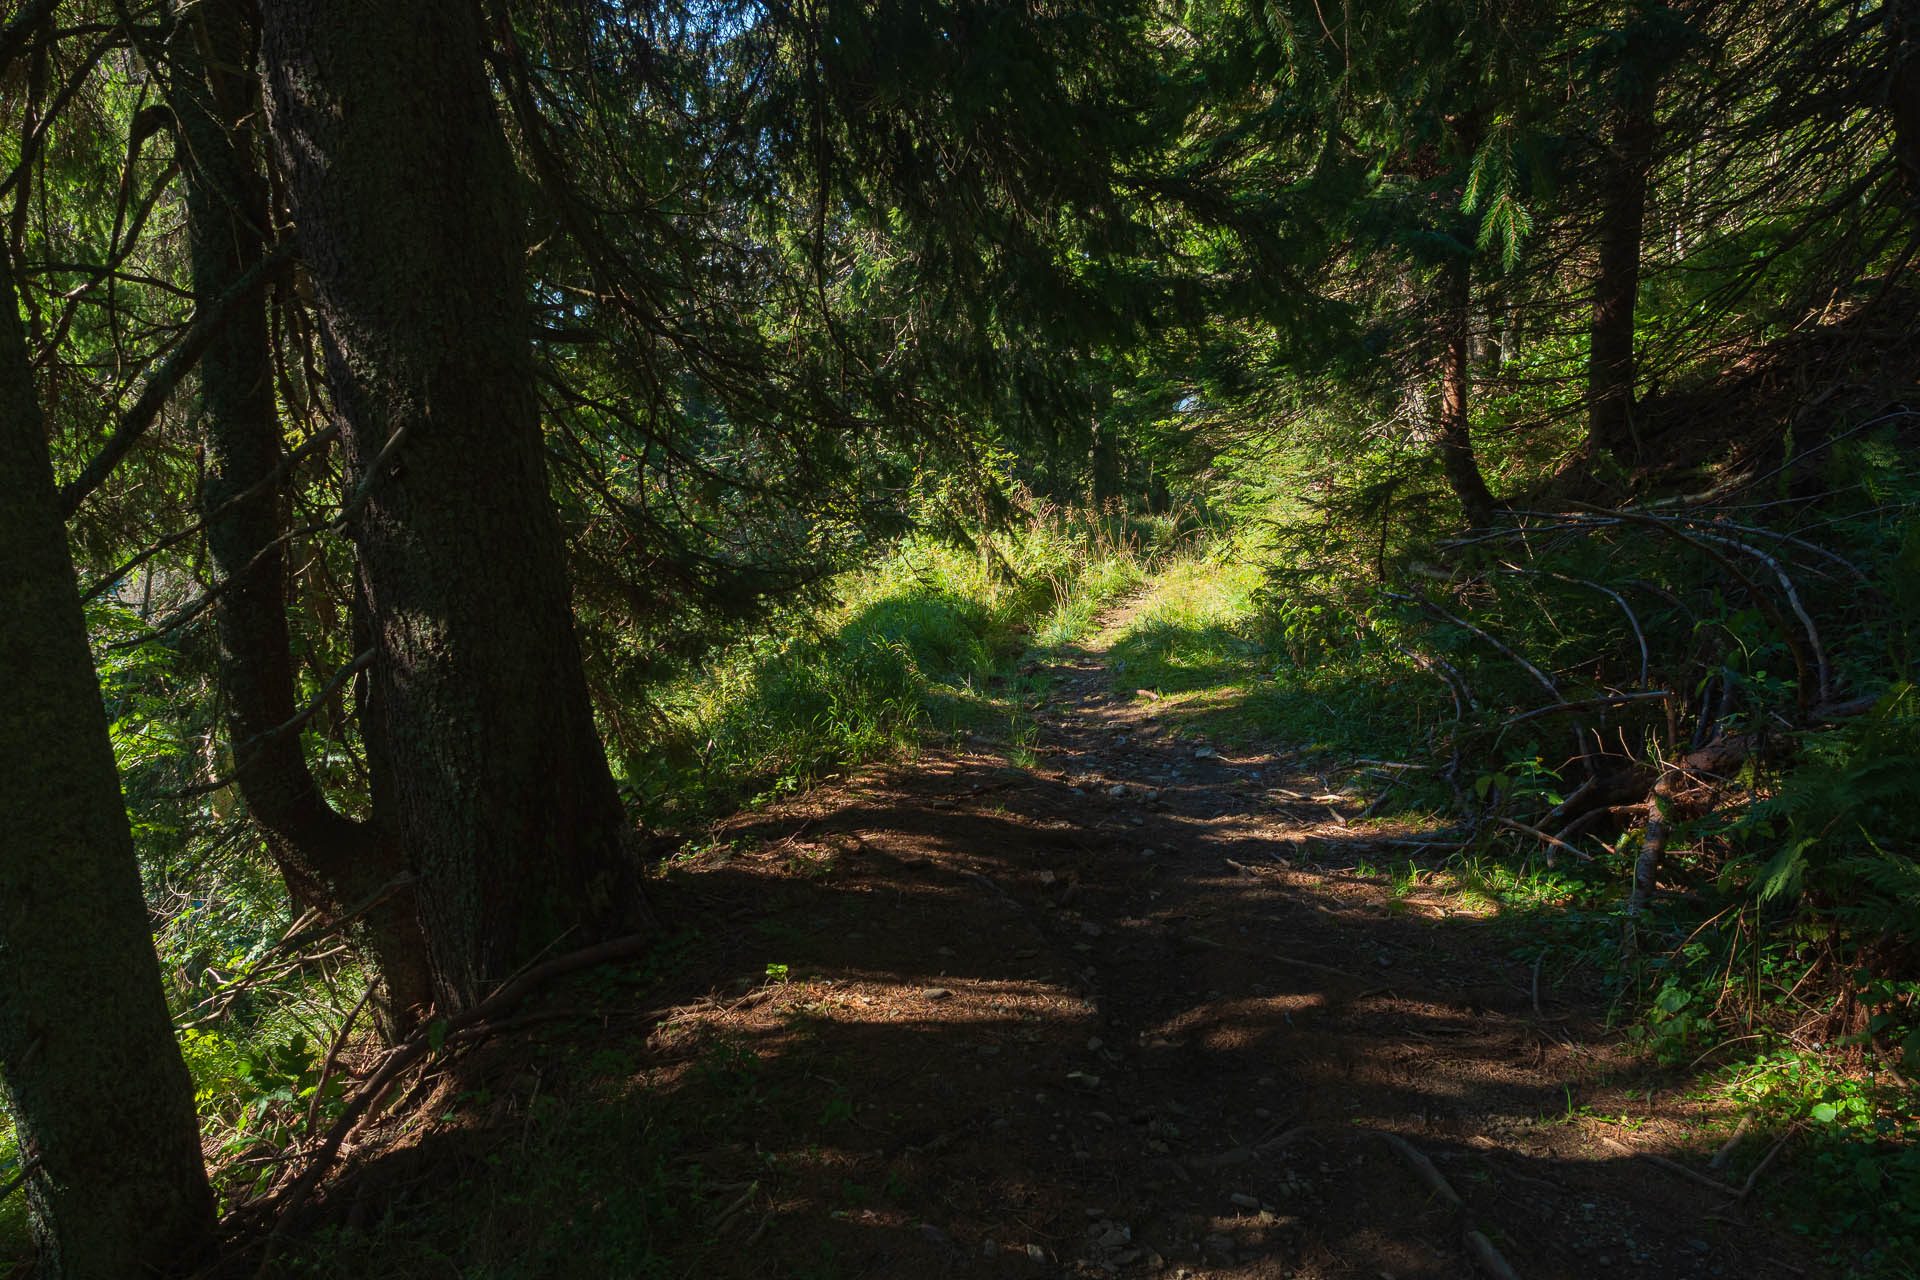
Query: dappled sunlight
x=1149 y=1004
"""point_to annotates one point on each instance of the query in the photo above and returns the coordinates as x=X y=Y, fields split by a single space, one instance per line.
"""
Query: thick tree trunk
x=404 y=193
x=100 y=1097
x=330 y=862
x=1616 y=285
x=1454 y=436
x=1902 y=18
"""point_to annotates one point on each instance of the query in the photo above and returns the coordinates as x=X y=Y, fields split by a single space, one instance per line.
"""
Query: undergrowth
x=922 y=641
x=1671 y=744
x=1217 y=646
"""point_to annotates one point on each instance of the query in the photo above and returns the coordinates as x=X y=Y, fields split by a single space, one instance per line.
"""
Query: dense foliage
x=1540 y=378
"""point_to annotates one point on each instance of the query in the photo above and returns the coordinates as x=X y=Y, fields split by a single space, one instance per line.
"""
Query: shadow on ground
x=1122 y=1014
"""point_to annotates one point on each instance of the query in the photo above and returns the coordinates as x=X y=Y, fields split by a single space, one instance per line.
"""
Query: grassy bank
x=926 y=641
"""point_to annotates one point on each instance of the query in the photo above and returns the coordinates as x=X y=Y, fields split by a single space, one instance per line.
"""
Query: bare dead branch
x=158 y=388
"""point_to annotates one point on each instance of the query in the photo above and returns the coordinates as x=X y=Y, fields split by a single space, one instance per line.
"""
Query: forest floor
x=1139 y=1009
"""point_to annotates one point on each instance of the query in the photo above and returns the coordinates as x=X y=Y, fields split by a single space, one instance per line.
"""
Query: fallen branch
x=1380 y=799
x=1538 y=834
x=1613 y=699
x=1792 y=541
x=298 y=934
x=1761 y=599
x=333 y=1056
x=1633 y=619
x=1553 y=690
x=1793 y=600
x=1572 y=801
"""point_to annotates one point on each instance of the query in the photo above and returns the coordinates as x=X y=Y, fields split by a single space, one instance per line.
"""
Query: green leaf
x=1825 y=1112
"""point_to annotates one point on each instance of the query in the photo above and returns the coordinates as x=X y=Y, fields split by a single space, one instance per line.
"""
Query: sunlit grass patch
x=1206 y=638
x=925 y=640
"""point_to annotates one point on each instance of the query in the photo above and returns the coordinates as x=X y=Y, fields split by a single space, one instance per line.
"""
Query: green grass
x=1210 y=637
x=925 y=640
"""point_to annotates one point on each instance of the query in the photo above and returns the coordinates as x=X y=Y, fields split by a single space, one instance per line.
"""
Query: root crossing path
x=1143 y=1009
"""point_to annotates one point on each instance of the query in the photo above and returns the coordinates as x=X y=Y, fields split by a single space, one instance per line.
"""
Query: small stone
x=947 y=951
x=990 y=1247
x=1096 y=1214
x=1117 y=789
x=1244 y=1200
x=1035 y=1252
x=1146 y=853
x=1089 y=928
x=1047 y=877
x=1203 y=753
x=934 y=1235
x=1263 y=1113
x=1084 y=1079
x=1699 y=1246
x=937 y=993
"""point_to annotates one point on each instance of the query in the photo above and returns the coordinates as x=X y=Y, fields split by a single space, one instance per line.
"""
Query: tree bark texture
x=404 y=192
x=330 y=862
x=1455 y=437
x=1902 y=18
x=101 y=1100
x=1616 y=285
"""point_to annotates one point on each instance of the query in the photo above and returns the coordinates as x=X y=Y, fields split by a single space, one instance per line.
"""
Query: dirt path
x=1125 y=1014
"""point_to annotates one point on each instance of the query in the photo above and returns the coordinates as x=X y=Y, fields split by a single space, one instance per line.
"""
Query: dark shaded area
x=959 y=1019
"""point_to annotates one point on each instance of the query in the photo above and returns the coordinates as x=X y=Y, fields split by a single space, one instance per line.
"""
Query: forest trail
x=1138 y=1010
